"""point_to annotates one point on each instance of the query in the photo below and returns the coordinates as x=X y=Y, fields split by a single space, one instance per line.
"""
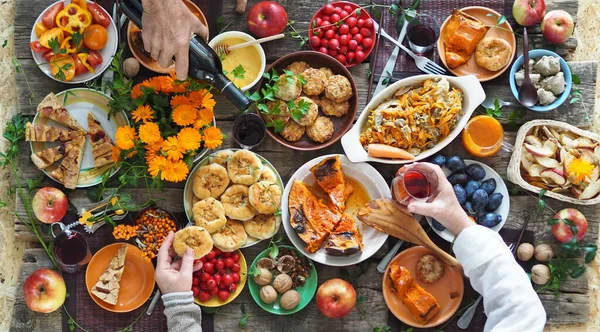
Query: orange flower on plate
x=212 y=137
x=202 y=99
x=149 y=133
x=125 y=137
x=176 y=171
x=205 y=116
x=173 y=149
x=184 y=115
x=189 y=138
x=142 y=113
x=179 y=100
x=157 y=165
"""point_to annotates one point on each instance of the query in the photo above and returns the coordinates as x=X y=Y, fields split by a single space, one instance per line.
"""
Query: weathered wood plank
x=566 y=309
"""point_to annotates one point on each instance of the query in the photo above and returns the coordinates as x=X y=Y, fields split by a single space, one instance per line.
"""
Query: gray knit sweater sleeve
x=182 y=313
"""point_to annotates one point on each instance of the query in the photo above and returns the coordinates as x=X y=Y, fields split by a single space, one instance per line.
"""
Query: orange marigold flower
x=176 y=85
x=149 y=133
x=156 y=82
x=157 y=165
x=179 y=100
x=184 y=115
x=205 y=116
x=156 y=146
x=212 y=137
x=176 y=171
x=125 y=137
x=142 y=113
x=136 y=92
x=173 y=149
x=189 y=138
x=116 y=153
x=202 y=99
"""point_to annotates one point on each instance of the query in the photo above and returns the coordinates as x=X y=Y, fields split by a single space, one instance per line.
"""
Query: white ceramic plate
x=473 y=95
x=375 y=185
x=107 y=52
x=79 y=102
x=500 y=188
x=188 y=192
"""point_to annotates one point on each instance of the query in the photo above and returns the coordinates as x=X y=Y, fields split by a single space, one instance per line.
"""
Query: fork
x=422 y=62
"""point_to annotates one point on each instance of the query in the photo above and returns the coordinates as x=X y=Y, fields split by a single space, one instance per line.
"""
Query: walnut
x=264 y=278
x=290 y=299
x=282 y=283
x=525 y=251
x=543 y=252
x=266 y=263
x=540 y=274
x=268 y=294
x=285 y=263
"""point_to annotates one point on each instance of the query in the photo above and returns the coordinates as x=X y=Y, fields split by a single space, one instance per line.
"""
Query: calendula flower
x=157 y=165
x=157 y=83
x=116 y=153
x=142 y=113
x=179 y=100
x=125 y=137
x=149 y=133
x=212 y=137
x=202 y=99
x=184 y=115
x=176 y=171
x=156 y=146
x=579 y=169
x=137 y=92
x=175 y=85
x=205 y=116
x=189 y=138
x=173 y=149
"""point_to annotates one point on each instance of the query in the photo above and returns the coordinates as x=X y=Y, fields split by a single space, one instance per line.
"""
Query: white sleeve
x=510 y=302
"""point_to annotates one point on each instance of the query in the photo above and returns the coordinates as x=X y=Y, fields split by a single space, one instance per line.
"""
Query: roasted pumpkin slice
x=330 y=177
x=345 y=239
x=422 y=305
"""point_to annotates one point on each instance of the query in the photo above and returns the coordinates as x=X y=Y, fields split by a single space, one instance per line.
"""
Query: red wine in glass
x=421 y=38
x=249 y=130
x=70 y=249
x=416 y=184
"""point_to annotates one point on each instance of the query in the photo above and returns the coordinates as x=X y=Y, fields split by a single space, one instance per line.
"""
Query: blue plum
x=489 y=219
x=439 y=159
x=494 y=202
x=471 y=187
x=489 y=186
x=455 y=164
x=480 y=199
x=475 y=171
x=460 y=193
x=458 y=178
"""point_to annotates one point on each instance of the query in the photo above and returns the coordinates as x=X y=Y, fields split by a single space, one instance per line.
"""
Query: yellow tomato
x=62 y=67
x=39 y=28
x=95 y=37
x=53 y=33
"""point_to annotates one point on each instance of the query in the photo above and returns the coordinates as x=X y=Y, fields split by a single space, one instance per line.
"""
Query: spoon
x=388 y=257
x=224 y=49
x=527 y=92
x=489 y=102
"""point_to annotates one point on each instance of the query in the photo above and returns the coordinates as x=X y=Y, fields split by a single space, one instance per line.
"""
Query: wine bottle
x=204 y=65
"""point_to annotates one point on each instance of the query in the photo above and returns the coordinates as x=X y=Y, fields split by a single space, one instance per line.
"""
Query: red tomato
x=37 y=47
x=329 y=34
x=315 y=41
x=343 y=14
x=328 y=9
x=48 y=55
x=236 y=257
x=236 y=267
x=369 y=23
x=49 y=17
x=344 y=29
x=318 y=22
x=217 y=251
x=335 y=18
x=211 y=283
x=232 y=288
x=326 y=25
x=236 y=277
x=208 y=268
x=352 y=44
x=228 y=279
x=227 y=254
x=217 y=279
x=223 y=295
x=334 y=44
x=323 y=50
x=354 y=30
x=348 y=8
x=213 y=291
x=219 y=265
x=324 y=42
x=229 y=262
x=204 y=276
x=351 y=21
x=94 y=58
x=332 y=52
x=360 y=23
x=367 y=43
x=196 y=291
x=344 y=39
x=211 y=255
x=195 y=282
x=360 y=56
x=80 y=69
x=350 y=56
x=98 y=15
x=325 y=18
x=204 y=296
x=343 y=49
x=337 y=10
x=365 y=32
x=341 y=58
x=359 y=38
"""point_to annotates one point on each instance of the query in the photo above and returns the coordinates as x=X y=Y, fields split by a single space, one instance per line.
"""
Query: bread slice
x=43 y=133
x=68 y=171
x=108 y=285
x=52 y=109
x=45 y=158
x=102 y=145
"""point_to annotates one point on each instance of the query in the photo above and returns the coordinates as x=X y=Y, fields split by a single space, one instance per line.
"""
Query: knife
x=391 y=63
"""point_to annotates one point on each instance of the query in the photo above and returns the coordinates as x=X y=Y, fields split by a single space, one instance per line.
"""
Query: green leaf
x=589 y=247
x=263 y=108
x=274 y=251
x=4 y=43
x=541 y=205
x=71 y=324
x=541 y=193
x=575 y=79
x=255 y=96
x=574 y=100
x=358 y=13
x=266 y=75
x=415 y=4
x=589 y=256
x=553 y=221
x=577 y=272
x=243 y=321
x=243 y=309
x=77 y=38
x=501 y=20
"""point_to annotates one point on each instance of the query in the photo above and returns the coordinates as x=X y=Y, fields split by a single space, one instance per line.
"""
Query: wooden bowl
x=341 y=124
x=143 y=57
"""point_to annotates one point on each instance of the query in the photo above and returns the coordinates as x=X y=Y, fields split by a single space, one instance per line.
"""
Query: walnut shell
x=266 y=263
x=285 y=263
x=290 y=299
x=525 y=251
x=264 y=278
x=268 y=294
x=540 y=274
x=543 y=252
x=282 y=283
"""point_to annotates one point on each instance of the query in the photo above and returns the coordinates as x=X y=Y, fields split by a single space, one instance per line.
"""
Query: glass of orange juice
x=483 y=136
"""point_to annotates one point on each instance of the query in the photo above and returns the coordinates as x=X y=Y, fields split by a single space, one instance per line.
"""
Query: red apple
x=266 y=18
x=336 y=298
x=44 y=291
x=529 y=12
x=49 y=205
x=562 y=231
x=557 y=26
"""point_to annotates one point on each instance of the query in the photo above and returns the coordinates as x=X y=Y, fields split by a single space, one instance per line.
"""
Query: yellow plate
x=214 y=300
x=79 y=102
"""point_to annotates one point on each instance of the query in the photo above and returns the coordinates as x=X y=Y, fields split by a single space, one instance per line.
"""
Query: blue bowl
x=535 y=54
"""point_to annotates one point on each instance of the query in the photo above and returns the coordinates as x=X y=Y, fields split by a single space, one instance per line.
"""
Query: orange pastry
x=461 y=36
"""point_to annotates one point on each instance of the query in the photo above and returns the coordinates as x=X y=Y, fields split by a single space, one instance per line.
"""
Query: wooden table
x=572 y=306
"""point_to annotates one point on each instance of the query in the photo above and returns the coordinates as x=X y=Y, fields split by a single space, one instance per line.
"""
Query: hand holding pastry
x=174 y=276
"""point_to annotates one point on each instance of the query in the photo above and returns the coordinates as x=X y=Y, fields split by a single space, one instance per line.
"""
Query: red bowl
x=320 y=32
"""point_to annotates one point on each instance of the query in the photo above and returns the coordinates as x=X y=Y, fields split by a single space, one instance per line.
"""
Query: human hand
x=444 y=207
x=174 y=276
x=168 y=26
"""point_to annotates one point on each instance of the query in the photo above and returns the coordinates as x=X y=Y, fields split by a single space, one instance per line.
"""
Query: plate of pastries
x=72 y=138
x=420 y=289
x=470 y=43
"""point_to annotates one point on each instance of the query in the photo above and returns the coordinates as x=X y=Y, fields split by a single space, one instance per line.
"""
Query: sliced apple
x=562 y=154
x=525 y=161
x=589 y=156
x=530 y=139
x=547 y=162
x=595 y=174
x=535 y=170
x=554 y=176
x=554 y=132
x=547 y=150
x=567 y=141
x=591 y=190
x=584 y=142
x=576 y=192
x=567 y=162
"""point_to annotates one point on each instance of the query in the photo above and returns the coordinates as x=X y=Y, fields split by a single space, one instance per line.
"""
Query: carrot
x=386 y=151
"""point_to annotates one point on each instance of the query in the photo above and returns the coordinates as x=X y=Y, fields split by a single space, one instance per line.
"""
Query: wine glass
x=423 y=32
x=414 y=182
x=249 y=130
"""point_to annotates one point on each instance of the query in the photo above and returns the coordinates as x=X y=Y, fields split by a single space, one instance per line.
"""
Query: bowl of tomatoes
x=344 y=31
x=221 y=278
x=73 y=41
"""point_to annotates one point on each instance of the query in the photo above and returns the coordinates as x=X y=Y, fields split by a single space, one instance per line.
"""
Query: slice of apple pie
x=52 y=108
x=68 y=171
x=43 y=133
x=102 y=145
x=45 y=158
x=108 y=285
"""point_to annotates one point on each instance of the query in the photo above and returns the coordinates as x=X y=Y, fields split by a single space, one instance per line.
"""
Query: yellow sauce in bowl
x=248 y=57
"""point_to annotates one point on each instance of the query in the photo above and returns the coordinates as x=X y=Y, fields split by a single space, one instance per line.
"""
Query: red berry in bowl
x=351 y=21
x=350 y=56
x=223 y=295
x=204 y=296
x=335 y=18
x=343 y=14
x=328 y=9
x=324 y=42
x=359 y=48
x=337 y=10
x=334 y=44
x=315 y=41
x=323 y=50
x=367 y=43
x=333 y=52
x=359 y=38
x=227 y=279
x=341 y=58
x=325 y=18
x=213 y=291
x=344 y=39
x=317 y=22
x=204 y=277
x=354 y=30
x=368 y=23
x=360 y=56
x=343 y=49
x=236 y=267
x=217 y=278
x=196 y=291
x=211 y=283
x=343 y=29
x=352 y=44
x=365 y=32
x=236 y=257
x=232 y=288
x=360 y=23
x=196 y=281
x=236 y=277
x=329 y=34
x=348 y=8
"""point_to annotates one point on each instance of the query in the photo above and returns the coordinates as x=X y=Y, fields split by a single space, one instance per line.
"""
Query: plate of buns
x=471 y=43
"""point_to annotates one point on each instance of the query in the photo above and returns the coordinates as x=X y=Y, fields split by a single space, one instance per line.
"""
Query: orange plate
x=137 y=281
x=471 y=67
x=451 y=283
x=146 y=60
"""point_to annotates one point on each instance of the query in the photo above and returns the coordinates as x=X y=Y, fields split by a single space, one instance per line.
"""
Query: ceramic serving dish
x=473 y=95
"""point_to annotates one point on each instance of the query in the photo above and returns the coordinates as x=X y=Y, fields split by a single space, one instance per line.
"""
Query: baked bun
x=194 y=237
x=430 y=269
x=493 y=53
x=262 y=226
x=231 y=237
